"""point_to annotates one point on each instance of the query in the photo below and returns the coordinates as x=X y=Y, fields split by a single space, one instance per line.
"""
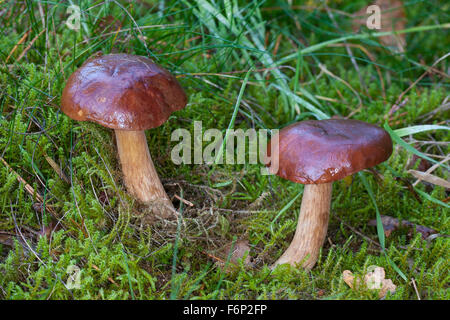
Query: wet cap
x=122 y=91
x=322 y=151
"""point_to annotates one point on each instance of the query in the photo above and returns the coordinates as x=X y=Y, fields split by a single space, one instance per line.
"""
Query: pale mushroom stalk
x=311 y=227
x=139 y=173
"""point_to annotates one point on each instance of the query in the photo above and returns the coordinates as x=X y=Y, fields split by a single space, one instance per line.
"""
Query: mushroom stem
x=141 y=178
x=311 y=227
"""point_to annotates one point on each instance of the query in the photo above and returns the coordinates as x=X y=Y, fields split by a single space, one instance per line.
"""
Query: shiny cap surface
x=122 y=91
x=321 y=151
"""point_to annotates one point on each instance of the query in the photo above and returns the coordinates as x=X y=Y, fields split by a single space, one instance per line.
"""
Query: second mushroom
x=316 y=153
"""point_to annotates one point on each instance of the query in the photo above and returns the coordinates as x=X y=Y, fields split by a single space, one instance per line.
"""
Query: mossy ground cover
x=61 y=175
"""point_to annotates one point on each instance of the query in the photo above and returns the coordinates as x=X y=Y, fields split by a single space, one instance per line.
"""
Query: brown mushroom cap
x=122 y=91
x=321 y=151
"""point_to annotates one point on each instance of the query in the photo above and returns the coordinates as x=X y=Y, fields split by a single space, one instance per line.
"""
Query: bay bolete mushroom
x=316 y=153
x=129 y=94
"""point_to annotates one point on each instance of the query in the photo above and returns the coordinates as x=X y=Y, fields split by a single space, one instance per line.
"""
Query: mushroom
x=129 y=94
x=316 y=153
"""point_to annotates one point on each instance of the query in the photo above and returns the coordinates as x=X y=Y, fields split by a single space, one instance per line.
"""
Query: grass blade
x=416 y=129
x=380 y=229
x=411 y=149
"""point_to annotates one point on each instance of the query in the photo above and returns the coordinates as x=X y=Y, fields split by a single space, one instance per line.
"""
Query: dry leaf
x=240 y=249
x=388 y=285
x=430 y=178
x=374 y=279
x=6 y=238
x=57 y=168
x=390 y=224
x=349 y=279
x=392 y=18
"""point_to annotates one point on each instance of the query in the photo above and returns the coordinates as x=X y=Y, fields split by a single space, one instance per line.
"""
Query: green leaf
x=430 y=198
x=320 y=114
x=416 y=129
x=400 y=141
